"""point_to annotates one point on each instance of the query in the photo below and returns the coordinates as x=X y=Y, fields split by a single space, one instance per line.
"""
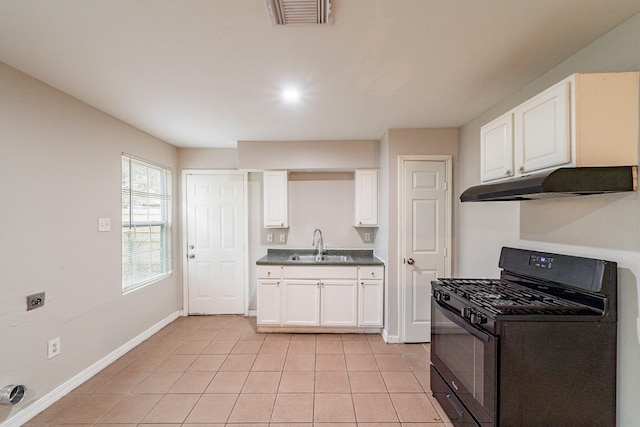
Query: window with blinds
x=146 y=226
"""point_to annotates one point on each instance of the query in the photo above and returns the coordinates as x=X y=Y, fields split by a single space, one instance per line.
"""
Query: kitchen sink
x=321 y=258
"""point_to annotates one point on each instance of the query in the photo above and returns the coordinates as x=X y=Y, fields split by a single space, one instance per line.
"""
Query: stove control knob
x=474 y=317
x=440 y=295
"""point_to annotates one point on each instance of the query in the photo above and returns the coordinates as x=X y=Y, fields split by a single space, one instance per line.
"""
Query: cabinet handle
x=268 y=274
x=521 y=168
x=373 y=274
x=277 y=284
x=507 y=172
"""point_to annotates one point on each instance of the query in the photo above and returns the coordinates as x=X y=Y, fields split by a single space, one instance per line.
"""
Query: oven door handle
x=455 y=318
x=454 y=406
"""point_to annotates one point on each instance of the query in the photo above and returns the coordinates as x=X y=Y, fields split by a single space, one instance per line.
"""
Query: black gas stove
x=535 y=347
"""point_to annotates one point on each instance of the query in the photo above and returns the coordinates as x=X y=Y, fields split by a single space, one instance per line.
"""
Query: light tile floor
x=217 y=371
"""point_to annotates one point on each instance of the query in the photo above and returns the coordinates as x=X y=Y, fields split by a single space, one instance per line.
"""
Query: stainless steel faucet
x=318 y=243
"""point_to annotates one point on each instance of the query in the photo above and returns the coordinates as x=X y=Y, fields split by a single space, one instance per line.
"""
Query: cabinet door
x=338 y=303
x=366 y=194
x=543 y=130
x=268 y=302
x=496 y=149
x=301 y=302
x=275 y=199
x=370 y=294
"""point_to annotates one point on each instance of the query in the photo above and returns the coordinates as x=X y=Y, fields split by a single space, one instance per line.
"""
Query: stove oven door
x=465 y=359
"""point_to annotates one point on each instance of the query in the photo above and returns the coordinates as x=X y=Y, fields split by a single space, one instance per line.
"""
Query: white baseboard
x=390 y=339
x=62 y=390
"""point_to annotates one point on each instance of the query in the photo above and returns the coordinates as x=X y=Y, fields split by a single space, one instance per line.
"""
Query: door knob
x=192 y=256
x=411 y=261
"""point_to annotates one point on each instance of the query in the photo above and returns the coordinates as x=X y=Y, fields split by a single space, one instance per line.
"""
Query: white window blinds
x=146 y=226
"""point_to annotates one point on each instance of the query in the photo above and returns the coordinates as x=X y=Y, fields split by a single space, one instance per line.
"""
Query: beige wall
x=317 y=199
x=308 y=155
x=207 y=158
x=398 y=142
x=322 y=199
x=60 y=171
x=604 y=226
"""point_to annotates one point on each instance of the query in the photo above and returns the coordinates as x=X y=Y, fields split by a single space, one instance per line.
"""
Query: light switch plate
x=104 y=224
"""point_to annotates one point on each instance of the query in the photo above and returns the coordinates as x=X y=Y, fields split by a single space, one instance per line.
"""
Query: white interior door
x=425 y=237
x=216 y=234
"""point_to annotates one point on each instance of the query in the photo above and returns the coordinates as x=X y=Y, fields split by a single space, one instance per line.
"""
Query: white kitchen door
x=425 y=236
x=216 y=233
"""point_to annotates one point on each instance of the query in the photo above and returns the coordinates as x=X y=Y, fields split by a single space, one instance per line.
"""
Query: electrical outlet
x=270 y=238
x=367 y=237
x=35 y=301
x=54 y=348
x=104 y=224
x=283 y=238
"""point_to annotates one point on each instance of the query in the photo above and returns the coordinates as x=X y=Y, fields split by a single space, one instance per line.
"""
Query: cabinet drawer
x=370 y=273
x=269 y=272
x=314 y=272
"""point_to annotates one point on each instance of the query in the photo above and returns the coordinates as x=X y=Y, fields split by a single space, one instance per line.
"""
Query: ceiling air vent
x=299 y=12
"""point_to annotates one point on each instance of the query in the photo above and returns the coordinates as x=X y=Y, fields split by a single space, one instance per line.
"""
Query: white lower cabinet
x=321 y=297
x=269 y=307
x=300 y=302
x=269 y=289
x=370 y=303
x=370 y=296
x=338 y=303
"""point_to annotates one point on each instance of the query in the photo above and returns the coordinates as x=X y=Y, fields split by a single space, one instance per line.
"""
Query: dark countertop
x=281 y=257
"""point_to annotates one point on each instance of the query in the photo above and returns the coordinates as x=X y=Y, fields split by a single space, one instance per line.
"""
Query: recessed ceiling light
x=291 y=94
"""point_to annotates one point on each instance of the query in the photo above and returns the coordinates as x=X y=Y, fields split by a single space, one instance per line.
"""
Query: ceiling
x=207 y=73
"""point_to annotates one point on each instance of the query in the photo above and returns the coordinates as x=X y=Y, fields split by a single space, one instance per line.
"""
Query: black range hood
x=557 y=183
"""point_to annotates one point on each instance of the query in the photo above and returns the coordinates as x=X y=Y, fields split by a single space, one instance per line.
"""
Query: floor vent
x=299 y=12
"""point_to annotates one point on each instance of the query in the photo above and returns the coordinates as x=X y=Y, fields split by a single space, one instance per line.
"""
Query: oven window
x=469 y=360
x=462 y=353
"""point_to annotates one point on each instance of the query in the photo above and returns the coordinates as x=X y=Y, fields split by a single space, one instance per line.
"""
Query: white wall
x=59 y=171
x=604 y=226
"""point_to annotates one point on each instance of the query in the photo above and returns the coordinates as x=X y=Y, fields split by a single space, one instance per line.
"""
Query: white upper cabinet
x=366 y=193
x=276 y=203
x=585 y=120
x=496 y=139
x=542 y=128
